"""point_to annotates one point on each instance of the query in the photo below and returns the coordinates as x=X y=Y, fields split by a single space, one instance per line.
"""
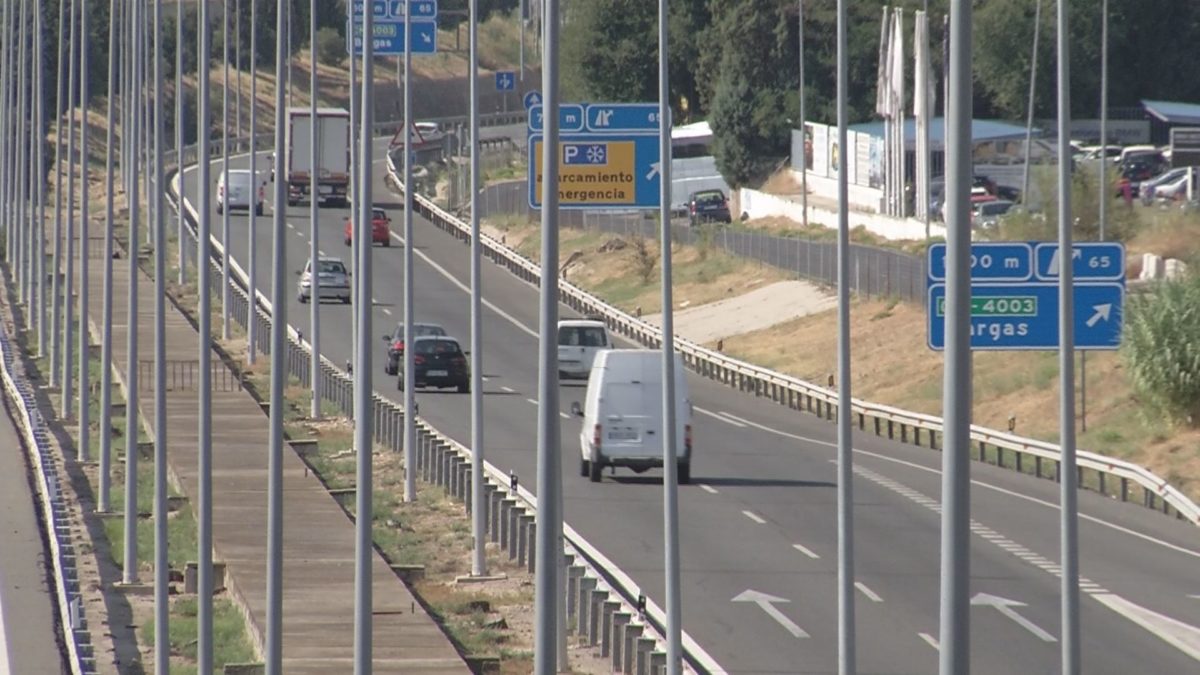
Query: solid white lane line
x=930 y=640
x=715 y=416
x=509 y=389
x=755 y=517
x=805 y=551
x=871 y=595
x=708 y=488
x=467 y=289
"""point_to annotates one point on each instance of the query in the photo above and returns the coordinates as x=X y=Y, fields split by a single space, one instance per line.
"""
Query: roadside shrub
x=331 y=47
x=645 y=258
x=1162 y=349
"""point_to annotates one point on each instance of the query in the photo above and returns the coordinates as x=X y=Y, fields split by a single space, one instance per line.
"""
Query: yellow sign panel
x=591 y=172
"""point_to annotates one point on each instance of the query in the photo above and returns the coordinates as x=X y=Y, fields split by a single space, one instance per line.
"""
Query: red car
x=381 y=230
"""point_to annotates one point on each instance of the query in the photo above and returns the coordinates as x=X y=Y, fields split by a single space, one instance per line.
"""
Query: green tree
x=612 y=46
x=748 y=115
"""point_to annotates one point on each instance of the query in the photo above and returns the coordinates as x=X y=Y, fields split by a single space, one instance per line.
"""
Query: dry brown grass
x=893 y=366
x=699 y=277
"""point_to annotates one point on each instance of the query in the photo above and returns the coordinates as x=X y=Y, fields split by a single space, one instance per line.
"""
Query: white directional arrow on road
x=767 y=603
x=1005 y=607
x=654 y=169
x=1102 y=314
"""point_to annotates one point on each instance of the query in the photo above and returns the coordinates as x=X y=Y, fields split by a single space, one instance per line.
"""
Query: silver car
x=334 y=281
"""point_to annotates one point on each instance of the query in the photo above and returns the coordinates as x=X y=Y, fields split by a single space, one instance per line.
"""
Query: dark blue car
x=707 y=206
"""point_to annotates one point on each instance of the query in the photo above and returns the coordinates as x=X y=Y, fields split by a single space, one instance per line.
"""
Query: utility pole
x=179 y=101
x=845 y=461
x=314 y=337
x=204 y=576
x=273 y=654
x=106 y=339
x=1068 y=476
x=131 y=388
x=162 y=572
x=69 y=271
x=479 y=510
x=363 y=433
x=549 y=473
x=252 y=264
x=954 y=635
x=225 y=169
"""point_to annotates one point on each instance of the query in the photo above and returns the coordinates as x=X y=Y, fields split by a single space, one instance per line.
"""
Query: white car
x=334 y=281
x=579 y=340
x=239 y=192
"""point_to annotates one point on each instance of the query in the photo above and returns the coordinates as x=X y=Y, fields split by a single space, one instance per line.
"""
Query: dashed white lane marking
x=467 y=289
x=564 y=415
x=755 y=517
x=708 y=488
x=532 y=400
x=805 y=551
x=509 y=389
x=291 y=227
x=715 y=416
x=871 y=595
x=930 y=640
x=387 y=311
x=980 y=529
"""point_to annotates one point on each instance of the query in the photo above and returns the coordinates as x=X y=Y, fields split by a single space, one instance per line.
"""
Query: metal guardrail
x=602 y=601
x=56 y=518
x=1107 y=475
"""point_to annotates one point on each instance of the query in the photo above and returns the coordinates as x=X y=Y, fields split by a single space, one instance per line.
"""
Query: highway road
x=758 y=527
x=29 y=637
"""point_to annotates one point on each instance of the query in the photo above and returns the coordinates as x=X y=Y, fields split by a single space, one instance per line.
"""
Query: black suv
x=708 y=205
x=438 y=362
x=395 y=343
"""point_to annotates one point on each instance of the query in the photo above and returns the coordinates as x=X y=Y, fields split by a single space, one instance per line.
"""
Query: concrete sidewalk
x=318 y=537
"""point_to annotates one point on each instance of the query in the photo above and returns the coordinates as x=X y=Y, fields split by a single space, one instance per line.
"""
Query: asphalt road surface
x=28 y=630
x=759 y=527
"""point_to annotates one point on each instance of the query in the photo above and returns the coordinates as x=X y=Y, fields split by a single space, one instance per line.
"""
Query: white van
x=623 y=414
x=579 y=340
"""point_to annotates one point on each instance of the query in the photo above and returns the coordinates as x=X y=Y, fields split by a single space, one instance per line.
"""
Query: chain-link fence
x=874 y=271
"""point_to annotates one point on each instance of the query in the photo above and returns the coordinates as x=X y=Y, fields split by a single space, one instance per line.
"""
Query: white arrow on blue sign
x=1091 y=261
x=506 y=80
x=1014 y=295
x=1025 y=316
x=531 y=99
x=389 y=37
x=622 y=117
x=398 y=9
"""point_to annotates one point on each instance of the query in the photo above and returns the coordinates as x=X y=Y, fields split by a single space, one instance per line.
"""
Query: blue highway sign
x=389 y=37
x=622 y=117
x=395 y=9
x=601 y=171
x=570 y=118
x=1091 y=261
x=531 y=99
x=506 y=80
x=1008 y=261
x=1025 y=316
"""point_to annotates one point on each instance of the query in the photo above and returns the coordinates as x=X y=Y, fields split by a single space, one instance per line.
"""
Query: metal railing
x=1107 y=475
x=602 y=602
x=56 y=516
